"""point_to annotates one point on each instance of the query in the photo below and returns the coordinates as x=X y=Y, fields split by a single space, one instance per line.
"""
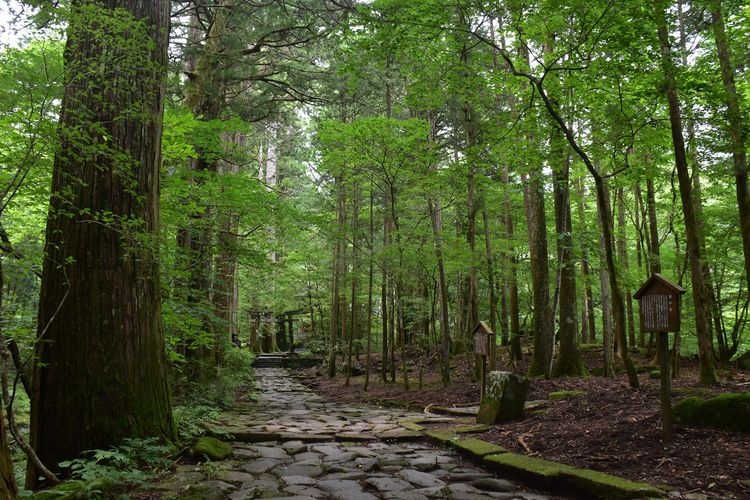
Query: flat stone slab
x=420 y=479
x=387 y=484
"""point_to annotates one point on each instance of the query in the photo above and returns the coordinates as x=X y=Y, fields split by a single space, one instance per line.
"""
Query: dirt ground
x=611 y=428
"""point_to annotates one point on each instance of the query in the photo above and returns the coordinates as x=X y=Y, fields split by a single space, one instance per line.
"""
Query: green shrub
x=192 y=419
x=730 y=411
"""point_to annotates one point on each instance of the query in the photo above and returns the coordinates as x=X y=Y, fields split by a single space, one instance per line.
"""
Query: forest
x=185 y=184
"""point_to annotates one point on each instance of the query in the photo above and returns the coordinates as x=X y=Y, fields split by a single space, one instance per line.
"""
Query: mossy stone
x=743 y=362
x=730 y=411
x=443 y=435
x=212 y=448
x=525 y=468
x=603 y=485
x=478 y=448
x=654 y=374
x=565 y=394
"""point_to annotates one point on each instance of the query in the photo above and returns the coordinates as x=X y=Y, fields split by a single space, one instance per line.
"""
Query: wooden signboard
x=660 y=314
x=483 y=339
x=660 y=305
x=482 y=334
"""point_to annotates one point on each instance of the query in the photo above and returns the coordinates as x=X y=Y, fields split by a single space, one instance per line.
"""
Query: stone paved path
x=294 y=444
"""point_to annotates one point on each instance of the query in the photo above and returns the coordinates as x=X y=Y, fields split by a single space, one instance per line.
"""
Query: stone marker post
x=483 y=337
x=660 y=313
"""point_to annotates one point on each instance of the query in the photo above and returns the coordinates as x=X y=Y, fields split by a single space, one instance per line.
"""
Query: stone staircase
x=270 y=360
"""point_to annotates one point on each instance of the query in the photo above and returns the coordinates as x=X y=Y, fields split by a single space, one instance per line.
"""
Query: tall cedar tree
x=100 y=372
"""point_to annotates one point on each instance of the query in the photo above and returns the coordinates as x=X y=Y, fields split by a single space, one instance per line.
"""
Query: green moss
x=524 y=468
x=654 y=374
x=211 y=448
x=607 y=486
x=561 y=477
x=692 y=391
x=471 y=429
x=478 y=448
x=444 y=435
x=412 y=425
x=730 y=411
x=566 y=394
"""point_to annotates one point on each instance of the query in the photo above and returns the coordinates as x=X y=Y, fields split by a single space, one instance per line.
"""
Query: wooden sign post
x=483 y=339
x=660 y=313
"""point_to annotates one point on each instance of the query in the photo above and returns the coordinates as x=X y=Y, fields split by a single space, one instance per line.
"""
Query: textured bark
x=705 y=350
x=8 y=487
x=735 y=128
x=588 y=326
x=353 y=329
x=490 y=284
x=622 y=253
x=100 y=372
x=541 y=361
x=569 y=361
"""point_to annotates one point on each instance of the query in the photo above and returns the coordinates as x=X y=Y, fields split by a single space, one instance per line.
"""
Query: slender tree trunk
x=735 y=128
x=588 y=323
x=100 y=371
x=513 y=302
x=8 y=488
x=338 y=270
x=370 y=276
x=491 y=285
x=355 y=283
x=622 y=251
x=705 y=349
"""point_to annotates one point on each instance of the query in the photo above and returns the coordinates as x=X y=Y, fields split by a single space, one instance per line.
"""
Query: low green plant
x=99 y=472
x=191 y=420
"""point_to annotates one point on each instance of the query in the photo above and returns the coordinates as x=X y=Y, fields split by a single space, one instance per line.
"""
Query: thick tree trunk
x=541 y=361
x=705 y=349
x=569 y=360
x=100 y=371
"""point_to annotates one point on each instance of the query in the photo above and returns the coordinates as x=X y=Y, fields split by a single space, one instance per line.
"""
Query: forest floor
x=611 y=427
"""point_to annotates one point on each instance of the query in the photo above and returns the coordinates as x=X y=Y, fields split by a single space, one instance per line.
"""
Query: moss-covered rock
x=477 y=448
x=730 y=411
x=565 y=394
x=743 y=362
x=564 y=478
x=654 y=374
x=212 y=448
x=505 y=398
x=601 y=485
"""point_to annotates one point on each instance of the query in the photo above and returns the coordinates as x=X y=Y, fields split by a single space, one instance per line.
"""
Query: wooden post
x=483 y=338
x=660 y=313
x=662 y=347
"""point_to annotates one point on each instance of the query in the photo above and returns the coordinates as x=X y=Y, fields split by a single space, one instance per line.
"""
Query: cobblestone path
x=294 y=444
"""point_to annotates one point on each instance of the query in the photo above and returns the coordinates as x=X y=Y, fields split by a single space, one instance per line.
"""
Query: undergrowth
x=101 y=473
